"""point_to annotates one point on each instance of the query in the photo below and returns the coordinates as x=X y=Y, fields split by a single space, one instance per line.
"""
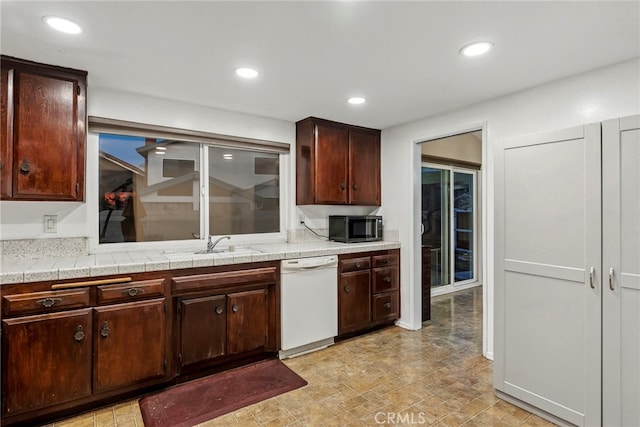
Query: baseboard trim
x=536 y=411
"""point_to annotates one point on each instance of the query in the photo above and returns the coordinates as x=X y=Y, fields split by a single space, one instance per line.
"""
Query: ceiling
x=402 y=56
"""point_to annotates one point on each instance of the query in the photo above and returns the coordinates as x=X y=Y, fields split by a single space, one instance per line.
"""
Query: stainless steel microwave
x=355 y=228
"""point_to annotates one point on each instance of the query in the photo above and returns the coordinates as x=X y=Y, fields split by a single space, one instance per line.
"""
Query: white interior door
x=621 y=261
x=548 y=238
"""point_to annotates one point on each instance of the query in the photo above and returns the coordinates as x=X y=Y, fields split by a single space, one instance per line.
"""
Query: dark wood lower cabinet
x=385 y=307
x=221 y=325
x=354 y=300
x=46 y=360
x=219 y=322
x=72 y=346
x=203 y=328
x=368 y=290
x=128 y=344
x=247 y=320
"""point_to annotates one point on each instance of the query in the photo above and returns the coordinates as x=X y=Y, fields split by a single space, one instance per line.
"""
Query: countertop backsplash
x=43 y=248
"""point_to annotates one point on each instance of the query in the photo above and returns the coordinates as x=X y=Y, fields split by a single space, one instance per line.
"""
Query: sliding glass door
x=449 y=223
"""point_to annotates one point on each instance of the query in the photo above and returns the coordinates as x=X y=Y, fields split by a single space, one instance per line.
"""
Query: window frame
x=204 y=140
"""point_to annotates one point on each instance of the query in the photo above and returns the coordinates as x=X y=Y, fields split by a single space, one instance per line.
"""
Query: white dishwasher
x=309 y=304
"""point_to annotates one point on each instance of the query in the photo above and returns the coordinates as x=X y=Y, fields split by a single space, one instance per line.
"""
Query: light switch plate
x=50 y=223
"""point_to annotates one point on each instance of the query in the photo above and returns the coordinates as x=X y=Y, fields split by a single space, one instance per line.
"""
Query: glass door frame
x=454 y=285
x=452 y=222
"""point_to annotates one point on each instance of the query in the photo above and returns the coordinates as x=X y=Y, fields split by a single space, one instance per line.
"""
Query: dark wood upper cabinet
x=364 y=168
x=331 y=165
x=336 y=163
x=43 y=131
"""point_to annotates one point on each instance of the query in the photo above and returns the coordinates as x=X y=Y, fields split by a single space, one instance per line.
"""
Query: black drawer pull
x=132 y=292
x=25 y=167
x=235 y=308
x=218 y=310
x=358 y=264
x=105 y=331
x=49 y=302
x=347 y=289
x=79 y=335
x=387 y=279
x=387 y=305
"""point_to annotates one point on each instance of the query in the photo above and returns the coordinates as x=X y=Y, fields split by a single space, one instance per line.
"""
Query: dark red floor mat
x=200 y=400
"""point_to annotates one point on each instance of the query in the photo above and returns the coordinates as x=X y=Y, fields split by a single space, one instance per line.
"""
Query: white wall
x=590 y=97
x=24 y=220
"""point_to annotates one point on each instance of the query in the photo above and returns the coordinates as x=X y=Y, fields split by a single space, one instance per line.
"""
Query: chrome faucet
x=212 y=245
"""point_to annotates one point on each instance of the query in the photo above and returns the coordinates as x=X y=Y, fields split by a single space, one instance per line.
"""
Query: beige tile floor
x=435 y=376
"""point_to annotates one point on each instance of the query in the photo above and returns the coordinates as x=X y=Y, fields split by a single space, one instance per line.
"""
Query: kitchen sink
x=227 y=251
x=217 y=251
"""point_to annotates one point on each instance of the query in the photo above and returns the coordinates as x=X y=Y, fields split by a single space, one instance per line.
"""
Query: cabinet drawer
x=385 y=307
x=385 y=279
x=45 y=302
x=108 y=294
x=355 y=264
x=199 y=282
x=385 y=260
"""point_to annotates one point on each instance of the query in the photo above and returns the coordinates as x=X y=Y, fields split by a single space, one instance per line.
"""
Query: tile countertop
x=101 y=264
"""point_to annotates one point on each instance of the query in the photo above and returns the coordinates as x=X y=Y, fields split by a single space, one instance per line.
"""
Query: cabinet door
x=247 y=320
x=48 y=136
x=129 y=343
x=548 y=238
x=46 y=359
x=331 y=165
x=354 y=300
x=6 y=129
x=621 y=272
x=203 y=328
x=364 y=168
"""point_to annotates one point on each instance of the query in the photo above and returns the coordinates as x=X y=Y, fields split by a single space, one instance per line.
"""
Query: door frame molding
x=485 y=235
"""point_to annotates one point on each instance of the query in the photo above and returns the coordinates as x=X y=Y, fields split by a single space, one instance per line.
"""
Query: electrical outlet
x=301 y=218
x=50 y=223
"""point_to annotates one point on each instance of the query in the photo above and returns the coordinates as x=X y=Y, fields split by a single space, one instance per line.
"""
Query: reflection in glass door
x=435 y=222
x=449 y=223
x=463 y=226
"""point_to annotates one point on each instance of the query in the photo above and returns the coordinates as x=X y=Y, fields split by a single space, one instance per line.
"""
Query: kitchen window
x=164 y=186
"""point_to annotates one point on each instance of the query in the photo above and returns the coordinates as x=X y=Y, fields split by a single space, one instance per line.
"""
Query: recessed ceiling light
x=62 y=24
x=247 y=73
x=356 y=100
x=476 y=48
